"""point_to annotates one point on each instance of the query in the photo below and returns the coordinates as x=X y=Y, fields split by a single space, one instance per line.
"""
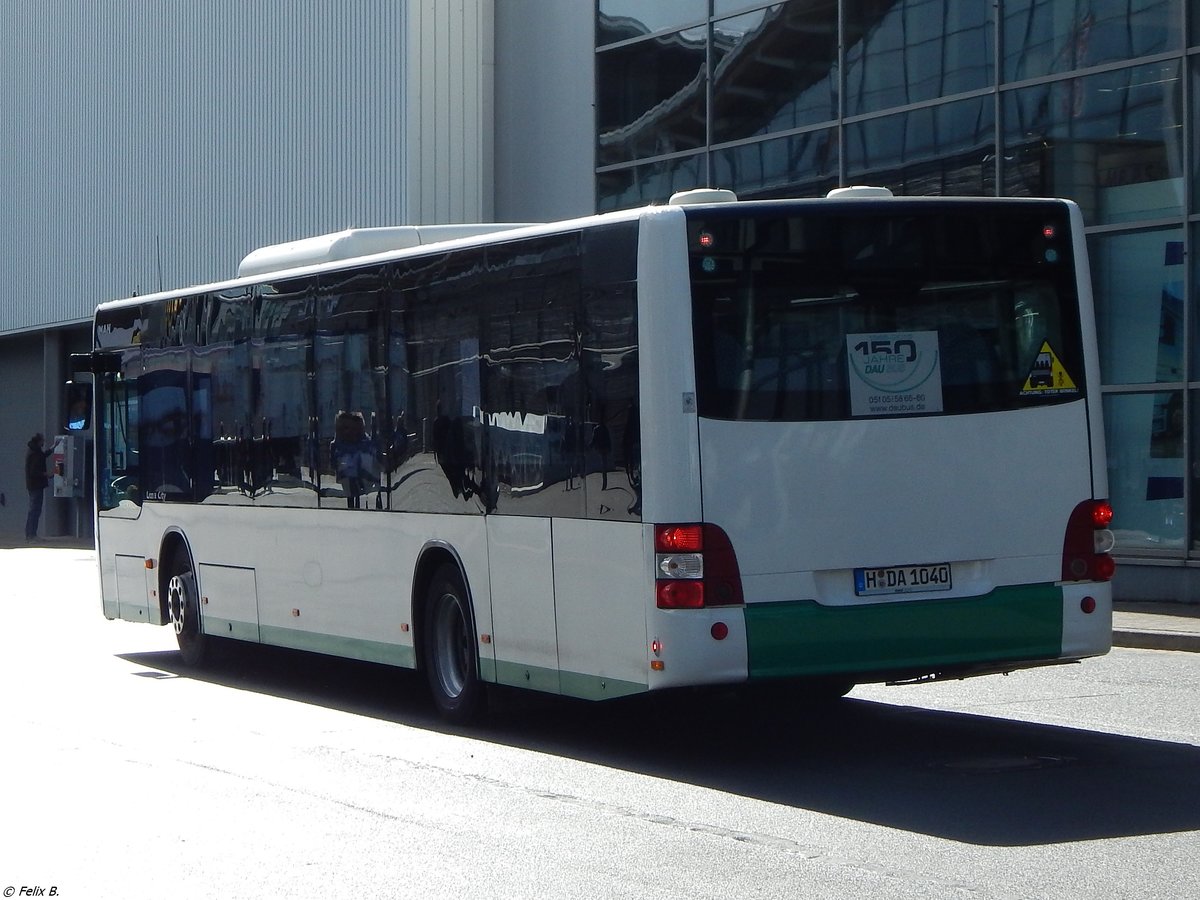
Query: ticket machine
x=70 y=461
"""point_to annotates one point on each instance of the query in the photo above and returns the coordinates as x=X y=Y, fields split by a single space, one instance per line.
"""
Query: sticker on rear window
x=1048 y=376
x=894 y=373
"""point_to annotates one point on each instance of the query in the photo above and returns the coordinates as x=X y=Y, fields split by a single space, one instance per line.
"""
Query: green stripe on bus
x=537 y=678
x=335 y=645
x=570 y=684
x=597 y=687
x=806 y=638
x=231 y=628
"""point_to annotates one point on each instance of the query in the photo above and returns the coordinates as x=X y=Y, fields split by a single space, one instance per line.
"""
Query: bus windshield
x=913 y=309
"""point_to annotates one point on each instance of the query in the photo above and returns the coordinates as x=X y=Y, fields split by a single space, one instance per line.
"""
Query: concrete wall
x=545 y=119
x=20 y=417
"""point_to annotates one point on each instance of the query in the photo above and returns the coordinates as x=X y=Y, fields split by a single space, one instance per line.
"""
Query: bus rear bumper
x=1021 y=625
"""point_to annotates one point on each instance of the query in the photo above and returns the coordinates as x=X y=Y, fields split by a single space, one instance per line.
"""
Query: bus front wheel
x=451 y=661
x=183 y=607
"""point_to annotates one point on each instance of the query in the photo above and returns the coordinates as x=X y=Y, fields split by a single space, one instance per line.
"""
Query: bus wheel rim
x=177 y=600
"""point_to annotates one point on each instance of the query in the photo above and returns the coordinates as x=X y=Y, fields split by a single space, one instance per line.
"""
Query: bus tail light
x=1088 y=543
x=678 y=538
x=695 y=567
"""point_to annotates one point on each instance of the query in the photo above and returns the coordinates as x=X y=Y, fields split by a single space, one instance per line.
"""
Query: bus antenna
x=158 y=254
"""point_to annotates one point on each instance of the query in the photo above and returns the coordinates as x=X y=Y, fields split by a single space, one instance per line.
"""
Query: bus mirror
x=97 y=363
x=79 y=406
x=79 y=363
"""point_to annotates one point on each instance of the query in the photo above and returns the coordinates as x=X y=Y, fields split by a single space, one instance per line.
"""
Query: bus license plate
x=902 y=580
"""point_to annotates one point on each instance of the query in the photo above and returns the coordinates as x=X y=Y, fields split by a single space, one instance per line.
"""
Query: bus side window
x=117 y=436
x=79 y=406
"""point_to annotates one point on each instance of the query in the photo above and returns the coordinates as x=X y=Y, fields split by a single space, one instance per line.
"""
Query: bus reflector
x=697 y=567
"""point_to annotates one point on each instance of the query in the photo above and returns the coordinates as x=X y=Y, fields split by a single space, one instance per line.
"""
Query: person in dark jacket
x=35 y=483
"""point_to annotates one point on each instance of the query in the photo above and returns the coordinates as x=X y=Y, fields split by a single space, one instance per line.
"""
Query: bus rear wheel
x=183 y=607
x=451 y=660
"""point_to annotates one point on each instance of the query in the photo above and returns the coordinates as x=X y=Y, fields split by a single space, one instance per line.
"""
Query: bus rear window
x=896 y=309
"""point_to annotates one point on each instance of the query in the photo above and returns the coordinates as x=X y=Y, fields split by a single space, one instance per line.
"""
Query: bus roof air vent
x=356 y=242
x=702 y=195
x=858 y=191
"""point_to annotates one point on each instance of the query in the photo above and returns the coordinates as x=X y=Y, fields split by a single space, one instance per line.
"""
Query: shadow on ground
x=968 y=778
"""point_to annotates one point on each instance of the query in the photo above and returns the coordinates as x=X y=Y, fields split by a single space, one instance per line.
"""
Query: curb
x=1157 y=640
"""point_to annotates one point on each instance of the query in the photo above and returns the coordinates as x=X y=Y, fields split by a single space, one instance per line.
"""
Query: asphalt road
x=277 y=774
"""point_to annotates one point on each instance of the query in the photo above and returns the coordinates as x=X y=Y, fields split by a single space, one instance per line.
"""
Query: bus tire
x=183 y=610
x=451 y=658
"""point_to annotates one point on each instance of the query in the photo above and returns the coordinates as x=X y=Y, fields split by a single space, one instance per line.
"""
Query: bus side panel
x=601 y=590
x=109 y=603
x=520 y=554
x=329 y=581
x=692 y=652
x=133 y=594
x=230 y=602
x=1091 y=357
x=667 y=379
x=688 y=652
x=340 y=581
x=128 y=589
x=1086 y=634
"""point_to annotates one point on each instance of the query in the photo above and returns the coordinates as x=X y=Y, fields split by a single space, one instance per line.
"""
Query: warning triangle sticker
x=1048 y=375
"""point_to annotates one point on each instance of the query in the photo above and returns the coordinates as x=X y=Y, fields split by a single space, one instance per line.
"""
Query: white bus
x=809 y=443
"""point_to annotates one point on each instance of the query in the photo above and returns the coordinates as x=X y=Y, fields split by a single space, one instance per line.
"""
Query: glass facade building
x=1095 y=100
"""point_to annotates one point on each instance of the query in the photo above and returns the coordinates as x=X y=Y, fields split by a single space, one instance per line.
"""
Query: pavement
x=1157 y=626
x=1139 y=624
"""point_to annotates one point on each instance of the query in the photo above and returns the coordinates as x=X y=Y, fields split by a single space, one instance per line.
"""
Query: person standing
x=35 y=483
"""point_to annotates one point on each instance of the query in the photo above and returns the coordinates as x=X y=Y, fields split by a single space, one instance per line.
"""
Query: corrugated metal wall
x=155 y=142
x=450 y=111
